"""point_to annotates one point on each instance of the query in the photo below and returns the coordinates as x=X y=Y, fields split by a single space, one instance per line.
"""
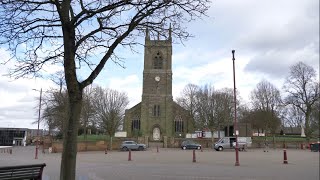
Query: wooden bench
x=31 y=172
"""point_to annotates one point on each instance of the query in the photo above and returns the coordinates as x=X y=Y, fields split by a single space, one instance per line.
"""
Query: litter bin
x=315 y=147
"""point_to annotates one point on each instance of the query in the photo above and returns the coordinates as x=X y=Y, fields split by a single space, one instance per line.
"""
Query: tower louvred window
x=158 y=61
x=156 y=110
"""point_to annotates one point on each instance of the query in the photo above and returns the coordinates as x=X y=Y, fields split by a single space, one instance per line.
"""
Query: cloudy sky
x=268 y=35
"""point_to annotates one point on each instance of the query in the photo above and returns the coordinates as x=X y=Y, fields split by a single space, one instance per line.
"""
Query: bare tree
x=315 y=118
x=55 y=109
x=292 y=116
x=110 y=106
x=70 y=33
x=223 y=109
x=302 y=88
x=88 y=110
x=205 y=108
x=187 y=100
x=267 y=102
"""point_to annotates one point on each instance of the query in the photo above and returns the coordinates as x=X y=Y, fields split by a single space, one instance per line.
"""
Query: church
x=157 y=116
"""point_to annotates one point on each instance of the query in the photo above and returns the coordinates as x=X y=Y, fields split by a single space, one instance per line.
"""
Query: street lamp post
x=37 y=140
x=235 y=111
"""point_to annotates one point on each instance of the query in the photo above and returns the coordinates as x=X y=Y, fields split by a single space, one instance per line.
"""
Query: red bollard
x=285 y=160
x=157 y=149
x=301 y=146
x=194 y=156
x=106 y=151
x=129 y=156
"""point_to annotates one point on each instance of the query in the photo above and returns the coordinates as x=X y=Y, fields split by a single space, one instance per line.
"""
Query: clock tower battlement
x=157 y=73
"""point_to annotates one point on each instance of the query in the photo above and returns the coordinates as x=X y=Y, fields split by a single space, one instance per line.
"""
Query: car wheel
x=199 y=147
x=124 y=149
x=140 y=148
x=220 y=148
x=184 y=147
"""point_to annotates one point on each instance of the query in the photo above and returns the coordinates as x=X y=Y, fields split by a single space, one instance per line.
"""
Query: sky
x=268 y=37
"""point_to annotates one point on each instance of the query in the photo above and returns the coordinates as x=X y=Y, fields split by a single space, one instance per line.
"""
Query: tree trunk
x=85 y=136
x=228 y=130
x=69 y=153
x=212 y=137
x=307 y=126
x=110 y=143
x=70 y=129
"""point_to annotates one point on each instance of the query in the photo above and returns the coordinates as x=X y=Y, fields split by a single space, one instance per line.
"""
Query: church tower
x=156 y=105
x=157 y=116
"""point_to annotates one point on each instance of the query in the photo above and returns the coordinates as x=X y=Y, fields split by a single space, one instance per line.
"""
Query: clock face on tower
x=157 y=78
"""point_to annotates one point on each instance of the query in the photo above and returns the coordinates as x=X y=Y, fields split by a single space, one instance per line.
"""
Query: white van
x=230 y=143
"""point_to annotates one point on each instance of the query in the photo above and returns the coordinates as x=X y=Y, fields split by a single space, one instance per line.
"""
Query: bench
x=31 y=172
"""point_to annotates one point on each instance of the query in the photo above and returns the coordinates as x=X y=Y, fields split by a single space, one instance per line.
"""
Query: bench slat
x=20 y=177
x=23 y=166
x=22 y=172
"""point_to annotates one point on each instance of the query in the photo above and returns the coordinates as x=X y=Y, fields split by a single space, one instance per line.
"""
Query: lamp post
x=235 y=111
x=37 y=140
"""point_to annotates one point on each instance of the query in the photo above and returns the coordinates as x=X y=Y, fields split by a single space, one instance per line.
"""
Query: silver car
x=132 y=145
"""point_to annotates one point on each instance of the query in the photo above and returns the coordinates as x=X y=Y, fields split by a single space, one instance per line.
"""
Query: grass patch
x=94 y=137
x=284 y=139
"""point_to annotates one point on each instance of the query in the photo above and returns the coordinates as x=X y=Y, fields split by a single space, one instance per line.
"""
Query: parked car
x=229 y=143
x=188 y=144
x=132 y=145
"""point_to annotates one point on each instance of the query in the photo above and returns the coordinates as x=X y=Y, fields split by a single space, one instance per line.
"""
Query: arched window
x=157 y=61
x=156 y=110
x=178 y=124
x=135 y=123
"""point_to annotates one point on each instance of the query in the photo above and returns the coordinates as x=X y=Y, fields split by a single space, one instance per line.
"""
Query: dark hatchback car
x=188 y=144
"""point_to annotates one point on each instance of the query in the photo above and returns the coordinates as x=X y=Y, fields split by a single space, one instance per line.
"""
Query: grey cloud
x=272 y=64
x=290 y=37
x=276 y=63
x=21 y=115
x=28 y=99
x=279 y=47
x=11 y=86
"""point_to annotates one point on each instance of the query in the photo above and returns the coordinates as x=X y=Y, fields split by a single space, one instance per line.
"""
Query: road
x=175 y=164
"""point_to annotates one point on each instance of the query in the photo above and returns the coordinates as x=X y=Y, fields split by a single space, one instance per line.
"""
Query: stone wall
x=93 y=145
x=169 y=142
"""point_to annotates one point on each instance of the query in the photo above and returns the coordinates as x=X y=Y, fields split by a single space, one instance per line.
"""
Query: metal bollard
x=129 y=156
x=194 y=156
x=157 y=149
x=285 y=160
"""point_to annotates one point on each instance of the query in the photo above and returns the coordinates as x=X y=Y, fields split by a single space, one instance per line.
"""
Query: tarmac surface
x=176 y=164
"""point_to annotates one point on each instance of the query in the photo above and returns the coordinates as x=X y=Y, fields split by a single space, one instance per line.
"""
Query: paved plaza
x=176 y=164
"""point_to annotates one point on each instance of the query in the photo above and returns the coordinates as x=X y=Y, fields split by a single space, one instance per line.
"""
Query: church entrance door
x=156 y=134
